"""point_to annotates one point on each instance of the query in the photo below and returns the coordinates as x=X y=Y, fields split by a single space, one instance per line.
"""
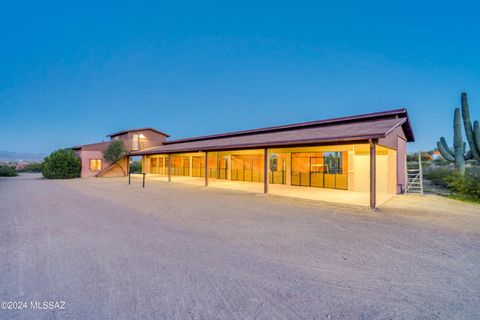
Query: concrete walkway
x=309 y=193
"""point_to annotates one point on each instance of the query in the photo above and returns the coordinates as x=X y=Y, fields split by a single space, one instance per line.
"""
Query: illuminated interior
x=343 y=167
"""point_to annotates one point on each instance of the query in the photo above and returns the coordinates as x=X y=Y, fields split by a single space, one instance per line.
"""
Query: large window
x=217 y=166
x=333 y=162
x=95 y=164
x=198 y=166
x=157 y=164
x=247 y=167
x=180 y=165
x=320 y=169
x=277 y=165
x=136 y=142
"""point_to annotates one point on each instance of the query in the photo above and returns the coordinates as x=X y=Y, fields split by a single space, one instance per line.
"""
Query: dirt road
x=114 y=251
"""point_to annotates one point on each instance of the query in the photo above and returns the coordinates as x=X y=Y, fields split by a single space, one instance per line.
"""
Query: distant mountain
x=19 y=156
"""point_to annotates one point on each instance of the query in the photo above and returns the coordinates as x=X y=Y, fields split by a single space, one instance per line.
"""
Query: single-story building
x=352 y=156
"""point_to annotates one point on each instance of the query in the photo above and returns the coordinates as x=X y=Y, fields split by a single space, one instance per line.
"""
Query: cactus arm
x=467 y=123
x=469 y=154
x=476 y=134
x=445 y=146
x=447 y=155
x=458 y=142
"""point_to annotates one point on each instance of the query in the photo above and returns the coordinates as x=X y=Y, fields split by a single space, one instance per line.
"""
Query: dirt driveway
x=114 y=251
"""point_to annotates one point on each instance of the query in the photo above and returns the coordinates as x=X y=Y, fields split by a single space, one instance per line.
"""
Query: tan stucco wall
x=85 y=156
x=151 y=139
x=397 y=140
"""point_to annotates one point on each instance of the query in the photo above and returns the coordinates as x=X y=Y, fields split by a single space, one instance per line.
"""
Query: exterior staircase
x=105 y=170
x=414 y=174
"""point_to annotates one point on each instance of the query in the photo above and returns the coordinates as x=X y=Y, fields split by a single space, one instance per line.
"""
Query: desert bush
x=465 y=186
x=440 y=162
x=438 y=176
x=62 y=164
x=32 y=167
x=7 y=171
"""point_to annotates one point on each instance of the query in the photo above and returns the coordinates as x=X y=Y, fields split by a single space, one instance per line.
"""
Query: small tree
x=62 y=164
x=115 y=152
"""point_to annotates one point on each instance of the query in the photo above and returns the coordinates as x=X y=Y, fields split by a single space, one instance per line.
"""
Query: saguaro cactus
x=472 y=133
x=458 y=155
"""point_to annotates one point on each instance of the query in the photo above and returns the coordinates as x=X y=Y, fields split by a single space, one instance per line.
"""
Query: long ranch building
x=357 y=159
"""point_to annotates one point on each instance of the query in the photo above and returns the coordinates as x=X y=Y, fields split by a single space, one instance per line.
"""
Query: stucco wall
x=85 y=156
x=151 y=139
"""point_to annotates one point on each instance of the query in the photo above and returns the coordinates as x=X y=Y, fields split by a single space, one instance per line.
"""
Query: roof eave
x=365 y=117
x=296 y=143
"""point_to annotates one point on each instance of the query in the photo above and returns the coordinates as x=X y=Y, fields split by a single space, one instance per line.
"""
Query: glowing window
x=136 y=142
x=95 y=164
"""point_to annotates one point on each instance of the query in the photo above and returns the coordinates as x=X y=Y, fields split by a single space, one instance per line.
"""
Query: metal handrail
x=142 y=173
x=413 y=181
x=415 y=175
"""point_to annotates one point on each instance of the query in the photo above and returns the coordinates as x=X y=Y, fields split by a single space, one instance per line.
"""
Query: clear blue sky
x=72 y=73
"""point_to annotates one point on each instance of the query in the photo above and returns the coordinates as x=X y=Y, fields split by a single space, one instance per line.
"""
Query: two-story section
x=94 y=163
x=140 y=139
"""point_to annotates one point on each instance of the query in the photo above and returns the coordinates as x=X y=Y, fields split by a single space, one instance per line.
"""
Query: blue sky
x=72 y=73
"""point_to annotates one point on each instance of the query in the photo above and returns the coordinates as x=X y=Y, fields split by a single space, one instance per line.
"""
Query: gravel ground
x=172 y=251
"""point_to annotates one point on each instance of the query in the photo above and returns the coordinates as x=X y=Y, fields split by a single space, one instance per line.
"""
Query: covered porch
x=333 y=173
x=317 y=194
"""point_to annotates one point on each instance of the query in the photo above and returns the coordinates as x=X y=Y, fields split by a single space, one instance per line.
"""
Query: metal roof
x=396 y=113
x=354 y=128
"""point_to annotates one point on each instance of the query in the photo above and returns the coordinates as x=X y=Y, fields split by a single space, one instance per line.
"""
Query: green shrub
x=441 y=162
x=136 y=166
x=7 y=171
x=466 y=186
x=62 y=164
x=438 y=176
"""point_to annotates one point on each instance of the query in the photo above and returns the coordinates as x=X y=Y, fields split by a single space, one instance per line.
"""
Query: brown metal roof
x=396 y=113
x=136 y=130
x=363 y=127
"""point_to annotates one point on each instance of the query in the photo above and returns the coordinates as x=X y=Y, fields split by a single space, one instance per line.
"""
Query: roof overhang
x=246 y=146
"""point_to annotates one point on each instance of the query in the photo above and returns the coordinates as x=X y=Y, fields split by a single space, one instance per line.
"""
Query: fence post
x=373 y=171
x=169 y=167
x=206 y=169
x=420 y=172
x=265 y=170
x=144 y=174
